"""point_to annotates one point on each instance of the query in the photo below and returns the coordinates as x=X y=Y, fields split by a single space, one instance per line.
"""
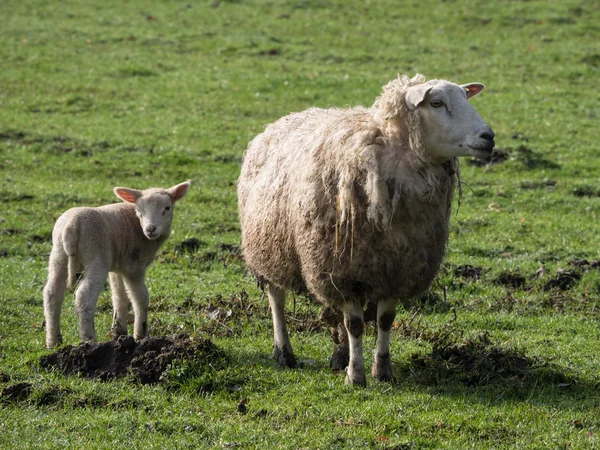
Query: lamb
x=121 y=239
x=353 y=205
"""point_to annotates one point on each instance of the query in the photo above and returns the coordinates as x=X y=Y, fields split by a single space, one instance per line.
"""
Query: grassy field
x=503 y=353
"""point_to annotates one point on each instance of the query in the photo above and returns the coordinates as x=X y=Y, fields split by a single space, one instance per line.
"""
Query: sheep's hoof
x=284 y=358
x=382 y=368
x=356 y=379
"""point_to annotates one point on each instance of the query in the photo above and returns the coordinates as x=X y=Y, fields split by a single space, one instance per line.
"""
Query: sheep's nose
x=488 y=135
x=150 y=229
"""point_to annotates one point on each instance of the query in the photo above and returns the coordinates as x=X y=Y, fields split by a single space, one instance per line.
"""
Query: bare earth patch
x=146 y=360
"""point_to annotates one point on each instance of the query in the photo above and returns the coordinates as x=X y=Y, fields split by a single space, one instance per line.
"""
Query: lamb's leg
x=121 y=304
x=382 y=363
x=354 y=322
x=54 y=294
x=86 y=299
x=284 y=355
x=136 y=288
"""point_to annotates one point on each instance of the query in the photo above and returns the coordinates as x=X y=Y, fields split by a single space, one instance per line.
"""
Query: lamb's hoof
x=382 y=368
x=50 y=343
x=284 y=358
x=339 y=359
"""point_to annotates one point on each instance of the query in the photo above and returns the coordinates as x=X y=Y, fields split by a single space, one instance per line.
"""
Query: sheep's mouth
x=483 y=151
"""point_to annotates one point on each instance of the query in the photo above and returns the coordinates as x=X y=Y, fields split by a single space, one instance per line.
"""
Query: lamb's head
x=154 y=207
x=449 y=125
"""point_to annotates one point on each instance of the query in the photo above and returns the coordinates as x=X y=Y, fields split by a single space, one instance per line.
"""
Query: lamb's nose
x=150 y=229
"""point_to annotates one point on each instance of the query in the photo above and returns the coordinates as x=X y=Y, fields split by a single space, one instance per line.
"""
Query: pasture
x=504 y=351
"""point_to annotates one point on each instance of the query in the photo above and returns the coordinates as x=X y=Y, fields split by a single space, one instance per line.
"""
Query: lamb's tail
x=70 y=244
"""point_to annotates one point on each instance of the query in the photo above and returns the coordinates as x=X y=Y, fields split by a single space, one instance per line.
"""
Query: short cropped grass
x=503 y=351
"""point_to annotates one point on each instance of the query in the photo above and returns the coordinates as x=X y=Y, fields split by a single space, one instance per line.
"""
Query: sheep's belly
x=373 y=265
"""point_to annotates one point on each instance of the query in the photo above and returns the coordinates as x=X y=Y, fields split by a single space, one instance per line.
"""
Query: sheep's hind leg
x=382 y=363
x=86 y=299
x=284 y=355
x=121 y=304
x=354 y=322
x=136 y=287
x=54 y=294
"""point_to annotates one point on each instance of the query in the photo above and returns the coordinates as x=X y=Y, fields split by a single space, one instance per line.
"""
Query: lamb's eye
x=167 y=208
x=436 y=103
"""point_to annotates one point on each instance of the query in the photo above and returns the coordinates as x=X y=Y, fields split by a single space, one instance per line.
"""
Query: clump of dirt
x=475 y=361
x=16 y=392
x=563 y=280
x=146 y=360
x=584 y=264
x=468 y=271
x=511 y=279
x=189 y=245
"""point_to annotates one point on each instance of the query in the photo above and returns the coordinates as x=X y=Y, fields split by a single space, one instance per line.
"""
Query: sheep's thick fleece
x=352 y=205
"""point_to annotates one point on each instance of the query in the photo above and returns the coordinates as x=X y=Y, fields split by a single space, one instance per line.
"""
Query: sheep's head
x=450 y=126
x=154 y=207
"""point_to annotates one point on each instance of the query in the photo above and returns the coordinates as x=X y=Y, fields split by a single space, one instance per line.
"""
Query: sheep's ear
x=129 y=195
x=179 y=191
x=472 y=89
x=416 y=94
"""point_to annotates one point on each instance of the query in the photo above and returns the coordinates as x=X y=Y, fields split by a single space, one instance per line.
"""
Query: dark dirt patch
x=16 y=392
x=592 y=60
x=190 y=245
x=521 y=154
x=586 y=191
x=549 y=185
x=563 y=280
x=468 y=271
x=53 y=395
x=584 y=264
x=511 y=279
x=146 y=361
x=475 y=361
x=4 y=378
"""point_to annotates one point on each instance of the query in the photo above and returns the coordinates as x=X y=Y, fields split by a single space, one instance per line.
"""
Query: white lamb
x=121 y=239
x=353 y=205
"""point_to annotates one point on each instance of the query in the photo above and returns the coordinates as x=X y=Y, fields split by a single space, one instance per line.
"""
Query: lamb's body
x=351 y=206
x=102 y=240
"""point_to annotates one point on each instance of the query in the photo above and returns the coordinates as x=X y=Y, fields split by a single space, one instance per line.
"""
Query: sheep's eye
x=436 y=103
x=167 y=208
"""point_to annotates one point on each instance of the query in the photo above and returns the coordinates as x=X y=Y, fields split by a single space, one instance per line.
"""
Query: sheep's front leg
x=284 y=355
x=86 y=299
x=355 y=324
x=382 y=363
x=136 y=288
x=54 y=294
x=121 y=304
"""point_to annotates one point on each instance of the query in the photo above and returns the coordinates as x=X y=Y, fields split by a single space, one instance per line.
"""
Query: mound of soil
x=476 y=361
x=146 y=360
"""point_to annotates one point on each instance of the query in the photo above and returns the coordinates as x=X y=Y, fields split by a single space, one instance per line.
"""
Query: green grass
x=99 y=94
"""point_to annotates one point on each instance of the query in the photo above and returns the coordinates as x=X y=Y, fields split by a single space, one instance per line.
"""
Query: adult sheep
x=353 y=205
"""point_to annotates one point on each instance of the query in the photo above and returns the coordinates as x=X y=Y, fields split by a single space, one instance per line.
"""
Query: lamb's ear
x=416 y=94
x=179 y=191
x=472 y=89
x=129 y=195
